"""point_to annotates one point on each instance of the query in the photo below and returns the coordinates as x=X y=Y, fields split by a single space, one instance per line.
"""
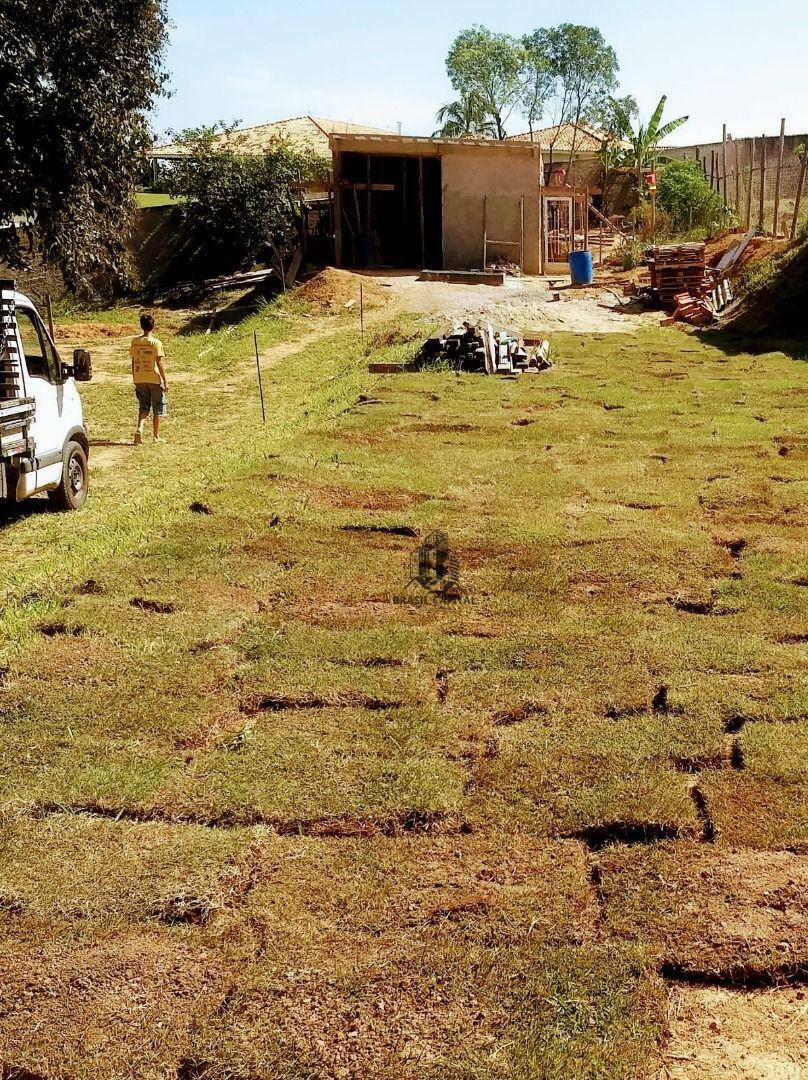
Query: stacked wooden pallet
x=676 y=269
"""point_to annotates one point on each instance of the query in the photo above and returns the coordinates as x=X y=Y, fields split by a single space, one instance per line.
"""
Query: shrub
x=687 y=198
x=245 y=205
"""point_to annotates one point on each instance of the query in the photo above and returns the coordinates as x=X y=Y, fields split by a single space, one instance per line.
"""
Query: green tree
x=687 y=198
x=614 y=117
x=488 y=68
x=77 y=79
x=245 y=205
x=585 y=68
x=467 y=116
x=538 y=77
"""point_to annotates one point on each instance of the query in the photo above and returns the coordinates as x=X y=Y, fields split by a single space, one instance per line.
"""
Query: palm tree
x=465 y=117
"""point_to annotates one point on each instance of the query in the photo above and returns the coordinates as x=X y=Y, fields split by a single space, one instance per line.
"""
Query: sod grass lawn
x=272 y=810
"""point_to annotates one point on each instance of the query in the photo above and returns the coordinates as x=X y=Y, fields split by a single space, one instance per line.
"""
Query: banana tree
x=646 y=139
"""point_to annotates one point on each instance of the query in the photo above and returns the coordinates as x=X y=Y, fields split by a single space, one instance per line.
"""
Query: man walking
x=149 y=375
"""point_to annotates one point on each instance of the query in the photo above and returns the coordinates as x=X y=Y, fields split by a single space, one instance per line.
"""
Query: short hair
x=147 y=323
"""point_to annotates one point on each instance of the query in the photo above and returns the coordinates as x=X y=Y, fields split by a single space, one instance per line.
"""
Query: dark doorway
x=391 y=211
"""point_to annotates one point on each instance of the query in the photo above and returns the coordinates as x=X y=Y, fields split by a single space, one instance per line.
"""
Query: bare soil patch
x=719 y=1034
x=71 y=1009
x=94 y=331
x=332 y=289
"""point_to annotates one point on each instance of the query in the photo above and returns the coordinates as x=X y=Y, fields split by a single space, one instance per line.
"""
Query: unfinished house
x=581 y=204
x=438 y=204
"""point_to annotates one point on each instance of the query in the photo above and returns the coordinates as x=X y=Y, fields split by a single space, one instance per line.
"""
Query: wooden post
x=586 y=219
x=712 y=168
x=737 y=166
x=751 y=179
x=724 y=162
x=798 y=200
x=421 y=201
x=779 y=174
x=761 y=211
x=336 y=209
x=367 y=204
x=485 y=231
x=521 y=234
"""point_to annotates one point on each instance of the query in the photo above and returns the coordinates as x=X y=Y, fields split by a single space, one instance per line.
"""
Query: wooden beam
x=779 y=174
x=349 y=185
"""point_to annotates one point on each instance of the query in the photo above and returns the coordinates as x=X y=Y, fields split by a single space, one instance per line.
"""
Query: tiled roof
x=308 y=134
x=560 y=137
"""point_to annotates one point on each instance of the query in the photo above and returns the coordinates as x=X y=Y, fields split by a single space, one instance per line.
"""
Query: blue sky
x=367 y=61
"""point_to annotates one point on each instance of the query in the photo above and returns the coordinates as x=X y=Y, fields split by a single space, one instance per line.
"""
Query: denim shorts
x=151 y=397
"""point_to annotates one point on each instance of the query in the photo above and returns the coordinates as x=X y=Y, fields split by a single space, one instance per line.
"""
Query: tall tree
x=488 y=67
x=538 y=77
x=585 y=69
x=77 y=79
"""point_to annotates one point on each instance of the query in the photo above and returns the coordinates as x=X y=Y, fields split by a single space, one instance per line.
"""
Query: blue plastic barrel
x=582 y=271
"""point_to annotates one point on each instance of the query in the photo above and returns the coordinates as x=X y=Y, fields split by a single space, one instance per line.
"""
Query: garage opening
x=391 y=211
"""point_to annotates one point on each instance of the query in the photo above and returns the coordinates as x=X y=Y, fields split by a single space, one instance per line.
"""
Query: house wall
x=503 y=172
x=468 y=177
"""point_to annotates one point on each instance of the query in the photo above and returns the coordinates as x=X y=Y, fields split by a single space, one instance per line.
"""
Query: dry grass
x=294 y=818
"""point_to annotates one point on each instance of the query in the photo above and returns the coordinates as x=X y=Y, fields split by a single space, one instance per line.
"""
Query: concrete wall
x=468 y=176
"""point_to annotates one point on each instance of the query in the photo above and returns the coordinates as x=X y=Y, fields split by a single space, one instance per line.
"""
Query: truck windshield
x=40 y=358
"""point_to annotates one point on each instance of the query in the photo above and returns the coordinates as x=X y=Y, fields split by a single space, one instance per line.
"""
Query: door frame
x=551 y=267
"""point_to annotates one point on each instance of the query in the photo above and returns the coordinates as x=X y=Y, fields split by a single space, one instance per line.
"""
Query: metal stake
x=260 y=382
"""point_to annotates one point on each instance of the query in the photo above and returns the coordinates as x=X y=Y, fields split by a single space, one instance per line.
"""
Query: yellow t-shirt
x=145 y=351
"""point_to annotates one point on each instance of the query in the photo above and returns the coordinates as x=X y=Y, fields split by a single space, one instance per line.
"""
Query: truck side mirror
x=82 y=365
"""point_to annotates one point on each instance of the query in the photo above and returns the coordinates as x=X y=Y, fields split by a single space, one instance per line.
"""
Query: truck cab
x=43 y=440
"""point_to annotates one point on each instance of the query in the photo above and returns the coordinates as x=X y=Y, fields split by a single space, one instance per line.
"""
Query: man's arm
x=160 y=358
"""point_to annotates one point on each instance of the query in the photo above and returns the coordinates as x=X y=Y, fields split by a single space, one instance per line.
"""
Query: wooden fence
x=762 y=179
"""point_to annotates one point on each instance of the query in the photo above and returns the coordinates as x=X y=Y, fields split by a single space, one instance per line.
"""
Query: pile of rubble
x=511 y=269
x=470 y=347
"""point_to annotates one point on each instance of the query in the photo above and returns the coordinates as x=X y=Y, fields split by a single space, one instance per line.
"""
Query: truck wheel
x=75 y=483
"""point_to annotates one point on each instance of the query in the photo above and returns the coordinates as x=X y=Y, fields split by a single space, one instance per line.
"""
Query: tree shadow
x=12 y=512
x=737 y=344
x=235 y=310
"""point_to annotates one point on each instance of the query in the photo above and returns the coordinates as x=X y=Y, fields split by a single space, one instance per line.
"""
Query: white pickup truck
x=43 y=440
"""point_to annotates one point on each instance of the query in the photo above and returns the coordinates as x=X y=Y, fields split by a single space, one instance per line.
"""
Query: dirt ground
x=740 y=1035
x=521 y=303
